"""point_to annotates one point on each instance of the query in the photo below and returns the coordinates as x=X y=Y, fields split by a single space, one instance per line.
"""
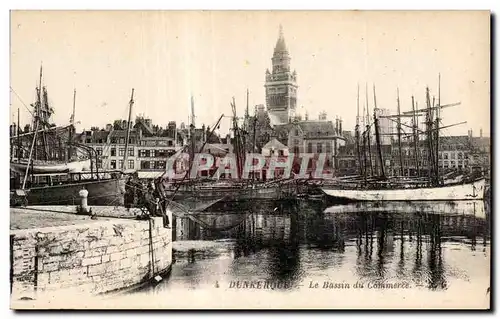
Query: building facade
x=148 y=149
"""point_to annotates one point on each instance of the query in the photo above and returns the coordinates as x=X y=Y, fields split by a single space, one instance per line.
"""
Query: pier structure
x=55 y=251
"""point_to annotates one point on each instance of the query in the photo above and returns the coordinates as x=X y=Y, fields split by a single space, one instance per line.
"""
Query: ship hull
x=108 y=192
x=227 y=193
x=467 y=191
x=477 y=208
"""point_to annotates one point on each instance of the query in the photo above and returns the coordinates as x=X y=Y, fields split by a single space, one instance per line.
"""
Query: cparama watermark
x=305 y=165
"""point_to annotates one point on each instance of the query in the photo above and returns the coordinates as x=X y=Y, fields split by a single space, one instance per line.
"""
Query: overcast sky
x=167 y=56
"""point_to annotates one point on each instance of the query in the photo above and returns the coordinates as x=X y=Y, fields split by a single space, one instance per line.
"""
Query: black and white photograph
x=208 y=159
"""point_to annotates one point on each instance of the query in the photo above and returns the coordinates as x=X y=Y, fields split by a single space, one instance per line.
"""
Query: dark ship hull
x=105 y=192
x=232 y=193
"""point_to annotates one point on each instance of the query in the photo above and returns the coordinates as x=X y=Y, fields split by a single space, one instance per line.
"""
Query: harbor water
x=407 y=248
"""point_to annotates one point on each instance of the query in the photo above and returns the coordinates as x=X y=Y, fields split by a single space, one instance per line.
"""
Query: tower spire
x=280 y=44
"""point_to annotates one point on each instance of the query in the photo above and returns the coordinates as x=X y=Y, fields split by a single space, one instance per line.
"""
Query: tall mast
x=357 y=136
x=399 y=137
x=18 y=137
x=125 y=156
x=415 y=136
x=438 y=114
x=429 y=121
x=72 y=127
x=237 y=141
x=377 y=134
x=246 y=112
x=368 y=141
x=192 y=111
x=39 y=113
x=254 y=131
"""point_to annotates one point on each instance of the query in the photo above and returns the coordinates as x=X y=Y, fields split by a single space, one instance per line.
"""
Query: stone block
x=98 y=243
x=99 y=251
x=71 y=261
x=116 y=256
x=51 y=266
x=91 y=261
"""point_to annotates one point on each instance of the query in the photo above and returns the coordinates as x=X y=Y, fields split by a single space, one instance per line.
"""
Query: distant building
x=456 y=154
x=149 y=146
x=274 y=148
x=281 y=85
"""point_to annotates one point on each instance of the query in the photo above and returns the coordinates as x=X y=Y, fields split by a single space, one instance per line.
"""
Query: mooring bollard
x=83 y=193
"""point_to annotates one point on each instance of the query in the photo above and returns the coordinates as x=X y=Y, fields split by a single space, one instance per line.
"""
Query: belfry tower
x=281 y=85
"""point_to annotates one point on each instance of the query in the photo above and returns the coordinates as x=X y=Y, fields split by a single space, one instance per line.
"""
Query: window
x=296 y=150
x=99 y=151
x=309 y=147
x=445 y=156
x=452 y=163
x=319 y=148
x=152 y=165
x=113 y=164
x=113 y=140
x=170 y=143
x=99 y=163
x=113 y=152
x=460 y=155
x=121 y=152
x=440 y=155
x=131 y=164
x=453 y=155
x=121 y=164
x=122 y=141
x=142 y=143
x=144 y=164
x=161 y=165
x=131 y=152
x=142 y=153
x=328 y=147
x=88 y=140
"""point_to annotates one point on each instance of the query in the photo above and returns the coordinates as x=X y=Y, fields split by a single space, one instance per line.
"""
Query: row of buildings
x=274 y=129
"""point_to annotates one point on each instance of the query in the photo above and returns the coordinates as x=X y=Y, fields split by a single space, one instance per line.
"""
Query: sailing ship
x=49 y=168
x=381 y=187
x=223 y=190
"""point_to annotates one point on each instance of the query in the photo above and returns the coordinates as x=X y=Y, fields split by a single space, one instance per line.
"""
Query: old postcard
x=250 y=160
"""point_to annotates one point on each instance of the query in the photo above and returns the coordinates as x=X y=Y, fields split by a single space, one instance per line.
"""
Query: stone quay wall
x=96 y=257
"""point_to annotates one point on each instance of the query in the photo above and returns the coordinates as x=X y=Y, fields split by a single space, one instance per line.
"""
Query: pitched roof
x=317 y=128
x=142 y=125
x=274 y=144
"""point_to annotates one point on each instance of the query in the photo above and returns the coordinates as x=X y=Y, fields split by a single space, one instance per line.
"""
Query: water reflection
x=416 y=242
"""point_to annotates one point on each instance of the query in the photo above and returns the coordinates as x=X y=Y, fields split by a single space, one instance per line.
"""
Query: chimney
x=481 y=132
x=337 y=125
x=307 y=116
x=470 y=133
x=340 y=126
